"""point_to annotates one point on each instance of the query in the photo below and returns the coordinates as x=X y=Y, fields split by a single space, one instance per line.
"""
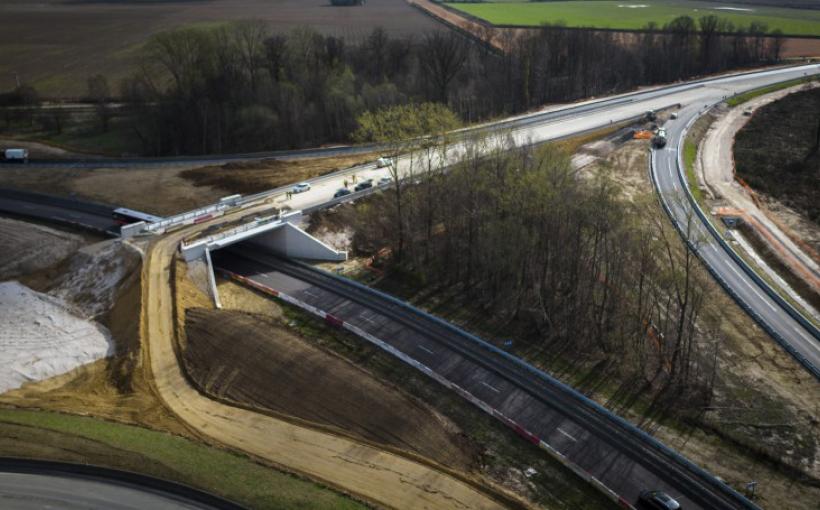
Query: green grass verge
x=690 y=153
x=742 y=98
x=618 y=14
x=54 y=436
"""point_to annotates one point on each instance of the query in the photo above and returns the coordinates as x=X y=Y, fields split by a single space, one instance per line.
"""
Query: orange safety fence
x=795 y=239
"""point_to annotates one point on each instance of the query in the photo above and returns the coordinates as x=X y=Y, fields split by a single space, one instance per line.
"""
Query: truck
x=659 y=140
x=20 y=155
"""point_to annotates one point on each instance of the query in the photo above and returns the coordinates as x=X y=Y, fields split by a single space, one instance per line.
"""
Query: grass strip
x=64 y=437
x=746 y=96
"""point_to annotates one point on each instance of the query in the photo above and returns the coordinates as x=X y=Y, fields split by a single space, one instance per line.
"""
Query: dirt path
x=385 y=479
x=717 y=170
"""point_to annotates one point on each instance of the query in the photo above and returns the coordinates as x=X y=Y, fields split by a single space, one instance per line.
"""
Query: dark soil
x=252 y=360
x=88 y=37
x=776 y=153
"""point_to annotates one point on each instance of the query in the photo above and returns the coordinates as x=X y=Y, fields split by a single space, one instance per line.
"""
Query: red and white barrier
x=518 y=429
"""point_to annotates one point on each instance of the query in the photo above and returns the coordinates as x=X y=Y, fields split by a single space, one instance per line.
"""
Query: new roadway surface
x=671 y=186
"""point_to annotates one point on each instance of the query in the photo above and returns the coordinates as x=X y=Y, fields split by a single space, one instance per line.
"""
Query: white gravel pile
x=41 y=338
x=94 y=276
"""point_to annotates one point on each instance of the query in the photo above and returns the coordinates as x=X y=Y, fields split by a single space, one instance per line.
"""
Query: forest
x=563 y=262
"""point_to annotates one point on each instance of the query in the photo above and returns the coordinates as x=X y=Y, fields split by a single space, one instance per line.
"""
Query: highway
x=670 y=182
x=623 y=460
x=36 y=485
x=95 y=217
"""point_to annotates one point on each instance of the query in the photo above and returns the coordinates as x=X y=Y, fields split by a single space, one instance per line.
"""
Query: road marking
x=562 y=431
x=310 y=293
x=368 y=319
x=753 y=289
x=491 y=387
x=423 y=348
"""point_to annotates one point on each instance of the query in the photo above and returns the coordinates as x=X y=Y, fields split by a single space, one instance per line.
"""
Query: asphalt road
x=764 y=308
x=27 y=491
x=595 y=442
x=59 y=214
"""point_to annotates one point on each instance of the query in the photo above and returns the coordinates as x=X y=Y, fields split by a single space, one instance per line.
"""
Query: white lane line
x=425 y=349
x=491 y=387
x=565 y=433
x=753 y=289
x=310 y=293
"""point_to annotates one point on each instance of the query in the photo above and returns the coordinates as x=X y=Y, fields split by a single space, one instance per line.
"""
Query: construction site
x=166 y=317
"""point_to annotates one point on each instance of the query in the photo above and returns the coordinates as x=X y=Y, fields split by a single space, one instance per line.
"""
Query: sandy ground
x=28 y=247
x=716 y=167
x=41 y=338
x=373 y=475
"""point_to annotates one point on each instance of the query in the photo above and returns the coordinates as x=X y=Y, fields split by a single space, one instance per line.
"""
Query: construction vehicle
x=659 y=140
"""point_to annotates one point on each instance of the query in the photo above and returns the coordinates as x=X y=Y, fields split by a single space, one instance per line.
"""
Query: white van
x=20 y=155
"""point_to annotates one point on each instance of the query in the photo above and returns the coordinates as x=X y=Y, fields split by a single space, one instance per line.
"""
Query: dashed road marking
x=491 y=387
x=565 y=433
x=425 y=349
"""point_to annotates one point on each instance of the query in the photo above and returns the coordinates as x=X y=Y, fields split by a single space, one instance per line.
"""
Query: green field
x=63 y=437
x=618 y=14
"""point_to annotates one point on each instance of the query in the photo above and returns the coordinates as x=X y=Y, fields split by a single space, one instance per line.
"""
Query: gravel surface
x=41 y=338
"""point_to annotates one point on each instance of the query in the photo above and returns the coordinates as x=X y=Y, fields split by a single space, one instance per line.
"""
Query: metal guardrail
x=126 y=478
x=785 y=305
x=567 y=390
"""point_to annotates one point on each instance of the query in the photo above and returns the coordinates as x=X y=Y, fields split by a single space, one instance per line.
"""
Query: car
x=385 y=180
x=301 y=187
x=383 y=162
x=673 y=116
x=658 y=500
x=364 y=185
x=341 y=192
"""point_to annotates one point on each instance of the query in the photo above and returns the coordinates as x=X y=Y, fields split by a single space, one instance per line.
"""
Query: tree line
x=239 y=87
x=579 y=271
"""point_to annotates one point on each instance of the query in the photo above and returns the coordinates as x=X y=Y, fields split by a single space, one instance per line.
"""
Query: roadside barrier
x=518 y=429
x=787 y=307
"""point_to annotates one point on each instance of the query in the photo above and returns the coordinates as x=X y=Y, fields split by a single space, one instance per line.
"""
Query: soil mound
x=252 y=360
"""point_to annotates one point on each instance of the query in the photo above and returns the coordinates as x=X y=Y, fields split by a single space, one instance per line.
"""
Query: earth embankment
x=251 y=360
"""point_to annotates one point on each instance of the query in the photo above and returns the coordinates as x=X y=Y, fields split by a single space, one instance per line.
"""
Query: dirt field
x=168 y=189
x=28 y=247
x=773 y=151
x=252 y=177
x=252 y=360
x=86 y=38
